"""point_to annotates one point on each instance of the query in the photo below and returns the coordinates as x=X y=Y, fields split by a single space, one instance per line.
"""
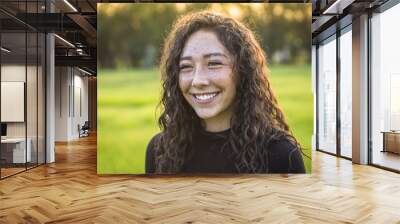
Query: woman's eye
x=214 y=64
x=185 y=67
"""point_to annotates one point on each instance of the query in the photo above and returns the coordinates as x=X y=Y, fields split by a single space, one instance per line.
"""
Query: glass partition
x=31 y=100
x=22 y=77
x=327 y=95
x=14 y=154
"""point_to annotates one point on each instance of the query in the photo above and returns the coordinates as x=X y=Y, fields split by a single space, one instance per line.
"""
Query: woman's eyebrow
x=215 y=54
x=205 y=56
x=185 y=58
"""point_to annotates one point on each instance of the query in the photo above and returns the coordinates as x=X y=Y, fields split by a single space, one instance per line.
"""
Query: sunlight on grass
x=127 y=119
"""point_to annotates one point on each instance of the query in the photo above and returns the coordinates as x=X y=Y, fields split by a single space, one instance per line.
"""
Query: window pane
x=327 y=96
x=31 y=97
x=345 y=94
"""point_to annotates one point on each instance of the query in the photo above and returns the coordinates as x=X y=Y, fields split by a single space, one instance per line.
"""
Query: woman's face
x=206 y=77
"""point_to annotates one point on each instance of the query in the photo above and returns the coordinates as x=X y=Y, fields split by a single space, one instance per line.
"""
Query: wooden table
x=16 y=153
x=391 y=141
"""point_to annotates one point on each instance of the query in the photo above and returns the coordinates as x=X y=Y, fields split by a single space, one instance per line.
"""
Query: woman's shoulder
x=285 y=156
x=153 y=141
x=151 y=153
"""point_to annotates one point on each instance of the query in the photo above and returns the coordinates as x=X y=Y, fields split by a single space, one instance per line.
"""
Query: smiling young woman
x=219 y=112
x=206 y=79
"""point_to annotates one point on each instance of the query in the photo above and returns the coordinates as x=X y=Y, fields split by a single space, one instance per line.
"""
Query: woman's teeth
x=205 y=96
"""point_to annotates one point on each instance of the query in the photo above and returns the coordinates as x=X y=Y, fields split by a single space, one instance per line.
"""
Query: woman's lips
x=204 y=98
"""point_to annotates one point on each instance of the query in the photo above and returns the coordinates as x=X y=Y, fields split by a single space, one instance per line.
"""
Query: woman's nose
x=200 y=77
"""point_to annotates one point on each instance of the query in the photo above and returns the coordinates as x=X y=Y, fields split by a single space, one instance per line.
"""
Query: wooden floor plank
x=70 y=191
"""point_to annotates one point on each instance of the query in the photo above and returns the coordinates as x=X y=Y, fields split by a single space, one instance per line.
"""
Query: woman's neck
x=218 y=123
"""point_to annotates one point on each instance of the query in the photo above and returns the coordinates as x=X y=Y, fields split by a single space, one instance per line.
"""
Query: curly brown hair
x=257 y=119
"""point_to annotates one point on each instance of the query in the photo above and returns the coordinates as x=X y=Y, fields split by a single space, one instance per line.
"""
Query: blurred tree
x=133 y=34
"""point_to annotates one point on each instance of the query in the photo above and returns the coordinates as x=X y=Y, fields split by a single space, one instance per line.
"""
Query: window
x=346 y=92
x=327 y=95
x=385 y=88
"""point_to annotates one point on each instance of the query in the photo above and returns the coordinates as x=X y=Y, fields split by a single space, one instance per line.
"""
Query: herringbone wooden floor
x=70 y=191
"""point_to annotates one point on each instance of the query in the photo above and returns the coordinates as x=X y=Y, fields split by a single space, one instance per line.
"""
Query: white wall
x=12 y=101
x=71 y=93
x=33 y=125
x=80 y=109
x=12 y=73
x=62 y=81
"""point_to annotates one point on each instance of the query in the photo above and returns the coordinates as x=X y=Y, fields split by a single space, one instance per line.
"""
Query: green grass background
x=127 y=118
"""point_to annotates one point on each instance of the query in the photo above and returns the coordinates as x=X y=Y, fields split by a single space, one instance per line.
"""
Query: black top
x=284 y=156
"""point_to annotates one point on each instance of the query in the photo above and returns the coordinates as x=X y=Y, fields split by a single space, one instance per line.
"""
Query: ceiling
x=75 y=21
x=330 y=15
